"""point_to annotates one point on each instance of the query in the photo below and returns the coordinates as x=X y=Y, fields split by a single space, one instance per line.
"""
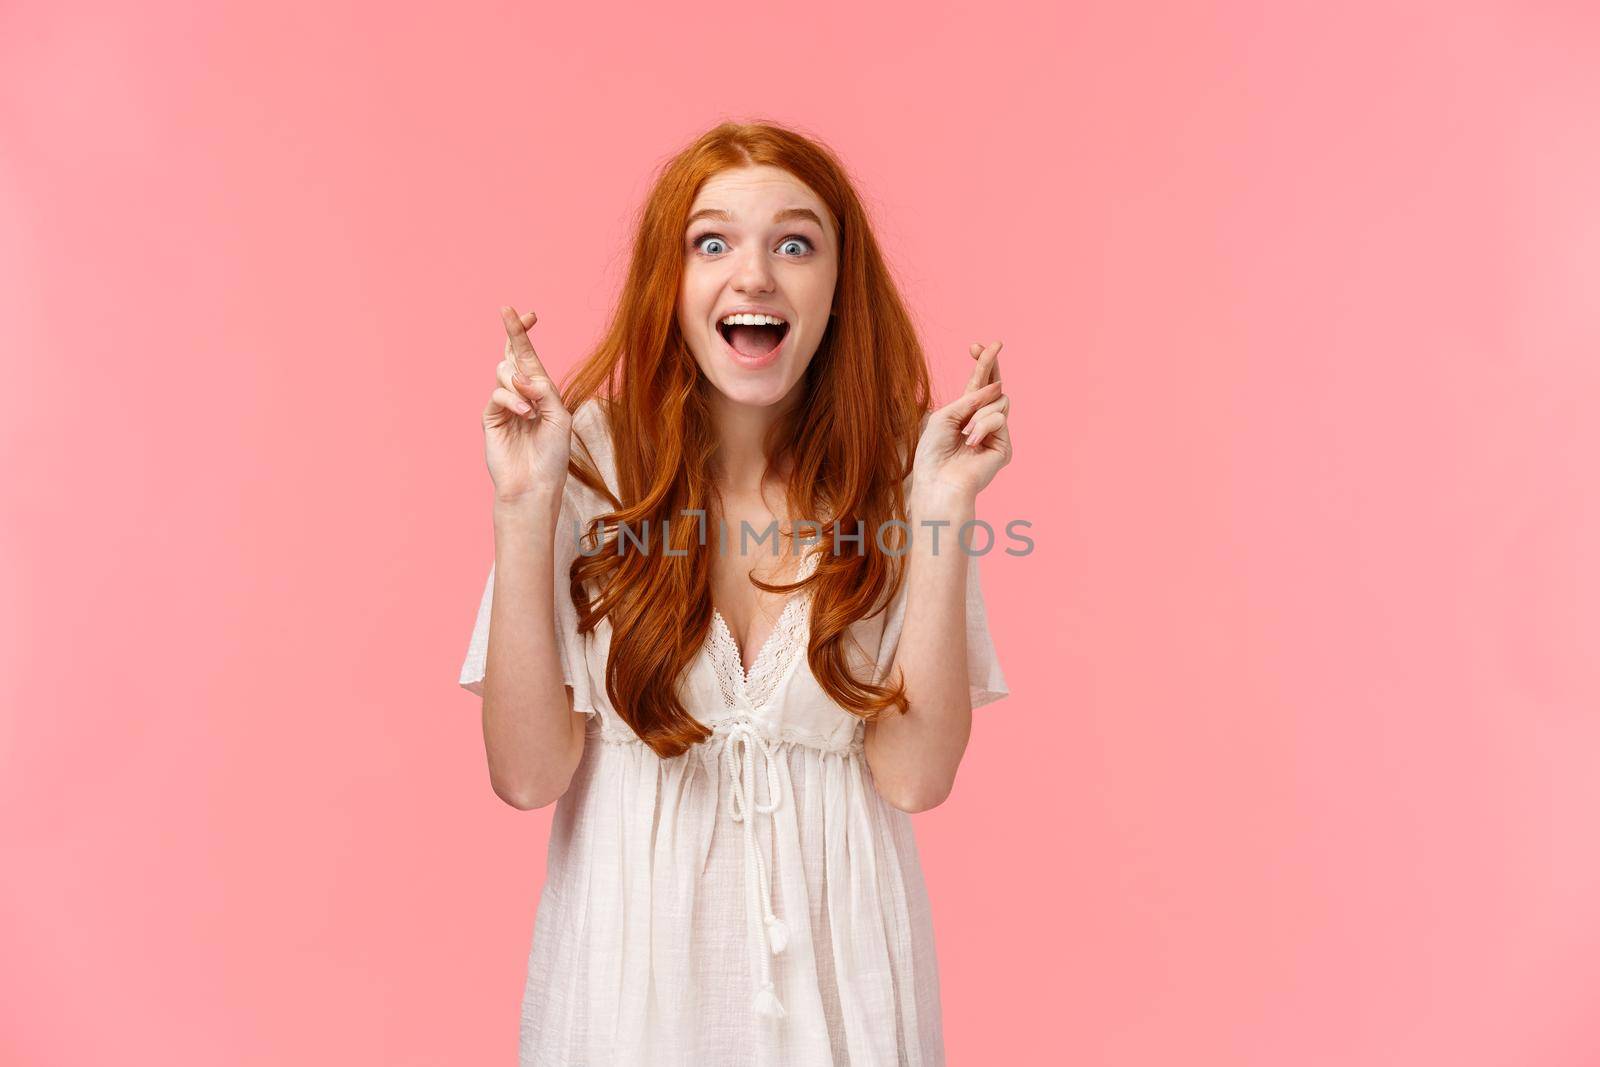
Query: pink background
x=1302 y=764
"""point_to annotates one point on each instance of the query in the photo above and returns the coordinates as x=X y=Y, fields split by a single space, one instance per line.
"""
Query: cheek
x=820 y=292
x=694 y=299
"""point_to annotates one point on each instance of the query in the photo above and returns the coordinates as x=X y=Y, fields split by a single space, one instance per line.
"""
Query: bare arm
x=531 y=735
x=914 y=756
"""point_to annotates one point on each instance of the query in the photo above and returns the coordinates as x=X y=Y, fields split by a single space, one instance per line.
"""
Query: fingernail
x=524 y=408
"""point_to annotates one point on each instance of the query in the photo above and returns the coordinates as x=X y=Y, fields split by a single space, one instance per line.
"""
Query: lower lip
x=759 y=361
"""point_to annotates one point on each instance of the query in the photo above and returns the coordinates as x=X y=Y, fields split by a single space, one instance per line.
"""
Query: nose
x=753 y=274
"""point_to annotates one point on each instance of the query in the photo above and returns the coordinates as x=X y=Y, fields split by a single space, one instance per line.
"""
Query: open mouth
x=753 y=342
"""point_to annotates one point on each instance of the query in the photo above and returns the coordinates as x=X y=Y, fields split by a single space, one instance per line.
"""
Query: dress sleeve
x=574 y=664
x=985 y=680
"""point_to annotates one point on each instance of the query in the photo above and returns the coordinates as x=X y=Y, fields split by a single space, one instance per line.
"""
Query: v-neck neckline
x=738 y=650
x=746 y=674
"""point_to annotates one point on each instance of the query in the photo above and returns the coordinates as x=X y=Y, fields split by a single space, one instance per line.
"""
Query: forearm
x=914 y=757
x=530 y=737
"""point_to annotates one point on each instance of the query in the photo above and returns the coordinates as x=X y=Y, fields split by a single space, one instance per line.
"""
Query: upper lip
x=751 y=309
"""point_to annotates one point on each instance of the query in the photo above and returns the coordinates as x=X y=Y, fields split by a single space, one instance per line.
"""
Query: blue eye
x=700 y=244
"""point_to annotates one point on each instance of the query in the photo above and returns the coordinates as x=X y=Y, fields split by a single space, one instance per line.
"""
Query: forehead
x=756 y=193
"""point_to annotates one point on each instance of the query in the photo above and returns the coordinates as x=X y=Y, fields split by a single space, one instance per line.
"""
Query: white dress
x=753 y=901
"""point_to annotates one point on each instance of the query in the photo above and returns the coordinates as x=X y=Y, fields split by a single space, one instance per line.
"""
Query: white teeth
x=753 y=320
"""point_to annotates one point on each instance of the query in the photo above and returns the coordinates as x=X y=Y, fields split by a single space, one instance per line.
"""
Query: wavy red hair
x=849 y=440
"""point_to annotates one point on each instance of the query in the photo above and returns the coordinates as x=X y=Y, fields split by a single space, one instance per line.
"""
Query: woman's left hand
x=966 y=442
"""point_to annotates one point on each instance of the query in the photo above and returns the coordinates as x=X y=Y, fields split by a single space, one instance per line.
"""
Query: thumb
x=545 y=397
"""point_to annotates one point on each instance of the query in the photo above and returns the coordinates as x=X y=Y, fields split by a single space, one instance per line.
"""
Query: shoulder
x=591 y=422
x=591 y=430
x=591 y=415
x=591 y=440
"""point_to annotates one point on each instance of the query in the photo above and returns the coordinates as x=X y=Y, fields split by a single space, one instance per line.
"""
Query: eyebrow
x=783 y=216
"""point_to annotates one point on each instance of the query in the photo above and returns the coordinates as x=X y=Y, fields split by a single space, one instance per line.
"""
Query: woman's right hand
x=527 y=433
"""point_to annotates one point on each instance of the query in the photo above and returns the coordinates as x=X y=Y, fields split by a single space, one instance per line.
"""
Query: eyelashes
x=698 y=241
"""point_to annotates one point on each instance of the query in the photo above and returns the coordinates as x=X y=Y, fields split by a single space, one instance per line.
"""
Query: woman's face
x=757 y=241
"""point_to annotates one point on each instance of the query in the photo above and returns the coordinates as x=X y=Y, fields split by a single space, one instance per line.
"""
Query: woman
x=736 y=729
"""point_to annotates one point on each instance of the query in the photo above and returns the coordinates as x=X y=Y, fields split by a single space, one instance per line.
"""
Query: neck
x=741 y=431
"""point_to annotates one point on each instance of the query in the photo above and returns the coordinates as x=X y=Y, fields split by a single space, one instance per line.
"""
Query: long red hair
x=850 y=440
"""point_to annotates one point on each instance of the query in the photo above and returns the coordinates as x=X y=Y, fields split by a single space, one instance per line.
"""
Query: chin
x=761 y=392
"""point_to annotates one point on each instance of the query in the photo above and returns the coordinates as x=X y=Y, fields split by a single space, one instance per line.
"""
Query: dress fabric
x=753 y=901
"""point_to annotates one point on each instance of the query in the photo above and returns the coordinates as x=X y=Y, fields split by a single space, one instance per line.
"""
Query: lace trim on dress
x=788 y=639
